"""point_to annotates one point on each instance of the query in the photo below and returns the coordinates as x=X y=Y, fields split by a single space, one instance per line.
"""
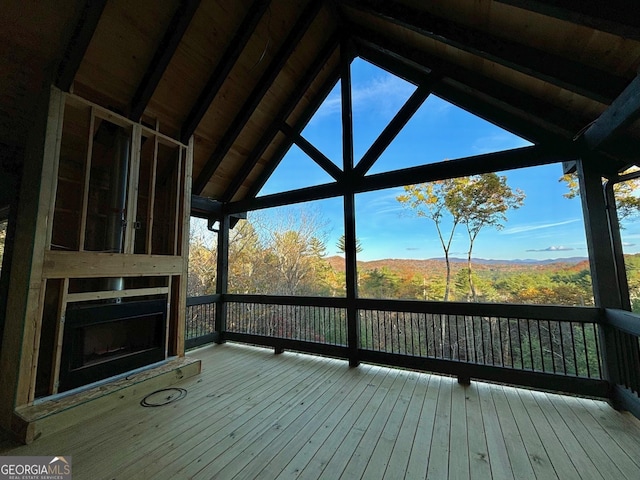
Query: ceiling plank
x=311 y=109
x=165 y=51
x=612 y=16
x=79 y=42
x=224 y=66
x=564 y=72
x=394 y=127
x=622 y=112
x=255 y=97
x=283 y=114
x=315 y=154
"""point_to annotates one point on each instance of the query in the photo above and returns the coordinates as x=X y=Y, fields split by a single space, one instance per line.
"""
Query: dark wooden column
x=349 y=203
x=604 y=277
x=222 y=278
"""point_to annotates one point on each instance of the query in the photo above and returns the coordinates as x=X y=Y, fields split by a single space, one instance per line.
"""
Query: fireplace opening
x=101 y=341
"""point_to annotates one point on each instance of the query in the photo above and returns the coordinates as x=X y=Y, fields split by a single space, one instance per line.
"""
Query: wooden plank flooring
x=253 y=414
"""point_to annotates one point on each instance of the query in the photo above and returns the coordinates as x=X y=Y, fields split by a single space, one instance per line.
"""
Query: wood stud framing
x=55 y=269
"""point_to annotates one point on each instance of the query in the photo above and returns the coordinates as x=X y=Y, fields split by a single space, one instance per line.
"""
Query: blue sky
x=547 y=226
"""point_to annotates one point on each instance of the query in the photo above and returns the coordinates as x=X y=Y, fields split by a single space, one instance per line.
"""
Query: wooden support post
x=183 y=222
x=604 y=277
x=18 y=355
x=222 y=278
x=349 y=204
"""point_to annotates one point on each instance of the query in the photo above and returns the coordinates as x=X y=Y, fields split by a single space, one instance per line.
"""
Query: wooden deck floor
x=253 y=414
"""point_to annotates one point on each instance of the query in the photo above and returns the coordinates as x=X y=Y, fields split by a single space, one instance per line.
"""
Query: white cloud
x=380 y=93
x=552 y=248
x=539 y=226
x=498 y=142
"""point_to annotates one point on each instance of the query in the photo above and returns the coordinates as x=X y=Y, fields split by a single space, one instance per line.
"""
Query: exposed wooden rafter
x=613 y=16
x=283 y=114
x=168 y=46
x=255 y=97
x=78 y=43
x=622 y=112
x=226 y=63
x=564 y=72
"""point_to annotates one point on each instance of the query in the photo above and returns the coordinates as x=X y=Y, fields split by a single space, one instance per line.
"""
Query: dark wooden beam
x=622 y=112
x=394 y=127
x=78 y=43
x=224 y=66
x=349 y=204
x=507 y=107
x=477 y=164
x=490 y=162
x=516 y=111
x=255 y=97
x=292 y=197
x=564 y=72
x=168 y=46
x=222 y=278
x=294 y=99
x=313 y=106
x=315 y=154
x=618 y=17
x=203 y=207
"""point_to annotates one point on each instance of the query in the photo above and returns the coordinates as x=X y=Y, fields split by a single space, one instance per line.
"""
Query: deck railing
x=623 y=345
x=549 y=347
x=200 y=322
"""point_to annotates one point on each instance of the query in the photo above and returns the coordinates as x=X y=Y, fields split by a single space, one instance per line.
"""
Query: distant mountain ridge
x=517 y=261
x=407 y=264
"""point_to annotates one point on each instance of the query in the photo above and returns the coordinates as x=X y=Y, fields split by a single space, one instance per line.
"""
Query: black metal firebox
x=106 y=340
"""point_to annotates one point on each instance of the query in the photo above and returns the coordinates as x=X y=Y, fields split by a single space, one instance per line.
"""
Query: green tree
x=483 y=201
x=380 y=283
x=342 y=248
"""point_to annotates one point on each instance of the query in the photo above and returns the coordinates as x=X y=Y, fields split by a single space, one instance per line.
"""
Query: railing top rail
x=203 y=300
x=502 y=310
x=336 y=302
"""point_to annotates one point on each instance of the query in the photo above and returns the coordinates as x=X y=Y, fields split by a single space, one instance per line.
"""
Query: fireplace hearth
x=102 y=341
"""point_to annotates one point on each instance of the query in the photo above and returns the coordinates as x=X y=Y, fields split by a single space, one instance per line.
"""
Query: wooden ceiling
x=232 y=73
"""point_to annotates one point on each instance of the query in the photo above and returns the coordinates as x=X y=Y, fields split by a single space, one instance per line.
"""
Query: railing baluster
x=562 y=352
x=553 y=358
